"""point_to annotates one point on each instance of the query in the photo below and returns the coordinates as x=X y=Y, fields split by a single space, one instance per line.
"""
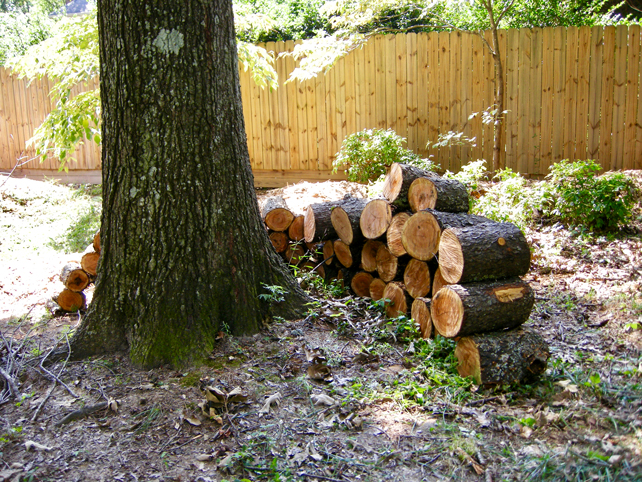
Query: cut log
x=345 y=219
x=348 y=256
x=74 y=277
x=400 y=302
x=393 y=234
x=421 y=233
x=438 y=282
x=461 y=310
x=89 y=262
x=276 y=215
x=420 y=312
x=280 y=241
x=317 y=225
x=71 y=300
x=439 y=193
x=375 y=218
x=389 y=266
x=328 y=252
x=416 y=278
x=308 y=266
x=488 y=251
x=369 y=255
x=377 y=286
x=503 y=357
x=295 y=231
x=296 y=253
x=360 y=284
x=96 y=241
x=398 y=181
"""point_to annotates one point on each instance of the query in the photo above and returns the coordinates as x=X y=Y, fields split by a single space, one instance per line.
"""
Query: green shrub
x=584 y=199
x=370 y=152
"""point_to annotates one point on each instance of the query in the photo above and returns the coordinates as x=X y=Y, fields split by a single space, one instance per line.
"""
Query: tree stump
x=420 y=312
x=441 y=194
x=345 y=219
x=398 y=181
x=276 y=214
x=375 y=218
x=461 y=310
x=317 y=225
x=369 y=255
x=377 y=287
x=400 y=302
x=74 y=277
x=360 y=284
x=416 y=278
x=393 y=234
x=503 y=357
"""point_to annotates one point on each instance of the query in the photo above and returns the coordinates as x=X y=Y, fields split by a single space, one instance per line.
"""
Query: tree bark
x=74 y=277
x=398 y=181
x=369 y=255
x=375 y=218
x=438 y=193
x=345 y=218
x=416 y=278
x=420 y=312
x=393 y=234
x=317 y=225
x=487 y=251
x=461 y=310
x=502 y=358
x=184 y=248
x=276 y=215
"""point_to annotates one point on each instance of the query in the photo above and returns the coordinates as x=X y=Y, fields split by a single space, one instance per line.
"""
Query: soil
x=342 y=395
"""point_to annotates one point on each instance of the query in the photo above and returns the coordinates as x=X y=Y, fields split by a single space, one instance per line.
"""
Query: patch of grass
x=191 y=379
x=80 y=232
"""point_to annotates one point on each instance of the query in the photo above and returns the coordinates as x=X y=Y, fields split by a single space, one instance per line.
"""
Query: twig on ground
x=44 y=400
x=83 y=412
x=71 y=392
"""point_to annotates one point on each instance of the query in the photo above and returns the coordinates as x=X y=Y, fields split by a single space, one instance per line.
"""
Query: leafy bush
x=370 y=152
x=20 y=30
x=582 y=198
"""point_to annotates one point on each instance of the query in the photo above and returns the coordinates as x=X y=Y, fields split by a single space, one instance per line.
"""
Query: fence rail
x=570 y=93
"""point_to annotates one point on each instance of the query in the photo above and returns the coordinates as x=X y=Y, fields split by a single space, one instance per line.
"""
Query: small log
x=348 y=255
x=461 y=310
x=328 y=252
x=488 y=251
x=89 y=262
x=439 y=193
x=71 y=300
x=360 y=284
x=438 y=282
x=416 y=278
x=96 y=242
x=400 y=302
x=295 y=253
x=280 y=241
x=504 y=357
x=308 y=266
x=345 y=219
x=420 y=312
x=74 y=277
x=295 y=231
x=398 y=181
x=375 y=218
x=421 y=233
x=369 y=255
x=393 y=235
x=317 y=225
x=276 y=215
x=389 y=266
x=377 y=287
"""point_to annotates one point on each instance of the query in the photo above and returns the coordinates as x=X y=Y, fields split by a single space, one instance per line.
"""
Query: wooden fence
x=570 y=93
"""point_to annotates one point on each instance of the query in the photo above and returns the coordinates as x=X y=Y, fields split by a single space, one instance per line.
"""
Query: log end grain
x=399 y=301
x=295 y=231
x=343 y=253
x=447 y=311
x=342 y=225
x=71 y=300
x=387 y=264
x=416 y=278
x=451 y=257
x=420 y=236
x=438 y=281
x=74 y=277
x=279 y=219
x=377 y=287
x=309 y=225
x=369 y=255
x=393 y=182
x=420 y=312
x=360 y=284
x=280 y=241
x=375 y=218
x=96 y=242
x=328 y=252
x=89 y=263
x=422 y=194
x=393 y=235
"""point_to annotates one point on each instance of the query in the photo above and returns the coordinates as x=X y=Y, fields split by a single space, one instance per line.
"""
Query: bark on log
x=345 y=219
x=280 y=241
x=393 y=235
x=276 y=215
x=317 y=225
x=369 y=255
x=400 y=302
x=389 y=266
x=421 y=233
x=348 y=255
x=461 y=310
x=420 y=312
x=438 y=282
x=89 y=262
x=375 y=218
x=377 y=287
x=96 y=242
x=398 y=181
x=328 y=252
x=71 y=300
x=488 y=251
x=502 y=357
x=360 y=284
x=416 y=278
x=441 y=194
x=74 y=277
x=295 y=231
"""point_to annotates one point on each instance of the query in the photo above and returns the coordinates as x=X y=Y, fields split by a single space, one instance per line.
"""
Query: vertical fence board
x=401 y=88
x=523 y=100
x=547 y=99
x=619 y=96
x=350 y=106
x=331 y=118
x=293 y=120
x=608 y=70
x=455 y=124
x=583 y=75
x=423 y=99
x=477 y=104
x=637 y=164
x=559 y=90
x=411 y=106
x=535 y=107
x=380 y=83
x=489 y=98
x=571 y=92
x=595 y=93
x=466 y=93
x=359 y=89
x=6 y=121
x=444 y=95
x=371 y=83
x=632 y=90
x=324 y=157
x=391 y=82
x=433 y=98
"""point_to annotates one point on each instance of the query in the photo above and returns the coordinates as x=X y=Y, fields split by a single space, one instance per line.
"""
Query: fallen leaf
x=31 y=445
x=193 y=421
x=276 y=398
x=113 y=405
x=323 y=399
x=319 y=371
x=204 y=457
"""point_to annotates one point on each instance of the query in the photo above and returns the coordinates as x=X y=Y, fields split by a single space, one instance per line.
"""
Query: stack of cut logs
x=418 y=247
x=77 y=277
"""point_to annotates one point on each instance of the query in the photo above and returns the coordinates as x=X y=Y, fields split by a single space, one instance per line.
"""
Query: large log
x=393 y=234
x=420 y=312
x=398 y=181
x=487 y=251
x=345 y=218
x=375 y=218
x=360 y=284
x=280 y=241
x=416 y=278
x=276 y=215
x=369 y=255
x=400 y=302
x=421 y=233
x=71 y=300
x=501 y=358
x=441 y=194
x=74 y=277
x=89 y=262
x=389 y=266
x=461 y=310
x=348 y=255
x=295 y=231
x=377 y=287
x=317 y=225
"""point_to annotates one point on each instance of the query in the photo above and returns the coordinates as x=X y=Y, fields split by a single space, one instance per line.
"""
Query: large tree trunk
x=184 y=250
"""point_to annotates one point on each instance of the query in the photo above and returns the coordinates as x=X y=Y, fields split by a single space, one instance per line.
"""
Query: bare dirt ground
x=392 y=407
